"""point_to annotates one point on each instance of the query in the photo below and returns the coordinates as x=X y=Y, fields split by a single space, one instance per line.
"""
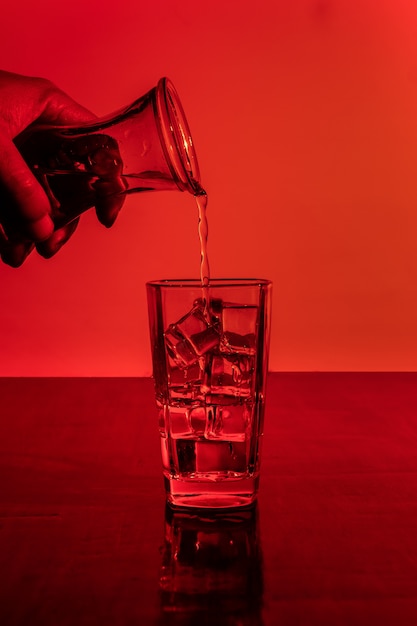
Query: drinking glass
x=210 y=358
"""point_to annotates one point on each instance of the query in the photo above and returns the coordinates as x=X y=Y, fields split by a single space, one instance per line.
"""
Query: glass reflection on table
x=211 y=568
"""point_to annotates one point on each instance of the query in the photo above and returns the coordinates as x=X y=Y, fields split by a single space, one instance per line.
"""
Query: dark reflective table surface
x=86 y=537
x=211 y=569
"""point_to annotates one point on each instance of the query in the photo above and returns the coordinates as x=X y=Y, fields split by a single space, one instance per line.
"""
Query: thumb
x=24 y=205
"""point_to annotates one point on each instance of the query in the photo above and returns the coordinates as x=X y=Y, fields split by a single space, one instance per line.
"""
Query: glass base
x=221 y=494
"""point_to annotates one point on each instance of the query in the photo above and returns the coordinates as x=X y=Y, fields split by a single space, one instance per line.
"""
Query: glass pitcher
x=146 y=146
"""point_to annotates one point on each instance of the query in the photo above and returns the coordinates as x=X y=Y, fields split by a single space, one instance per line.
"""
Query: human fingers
x=25 y=100
x=54 y=243
x=110 y=186
x=109 y=200
x=13 y=254
x=24 y=205
x=58 y=108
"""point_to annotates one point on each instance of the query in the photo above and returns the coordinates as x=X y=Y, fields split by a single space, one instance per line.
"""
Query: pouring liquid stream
x=201 y=199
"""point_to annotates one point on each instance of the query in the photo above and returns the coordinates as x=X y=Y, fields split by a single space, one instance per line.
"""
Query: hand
x=25 y=221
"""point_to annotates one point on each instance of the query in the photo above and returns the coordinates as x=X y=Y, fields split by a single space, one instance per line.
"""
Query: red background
x=304 y=115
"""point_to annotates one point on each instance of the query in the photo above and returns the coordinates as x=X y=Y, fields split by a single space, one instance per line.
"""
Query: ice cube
x=239 y=318
x=184 y=384
x=178 y=422
x=191 y=337
x=184 y=377
x=231 y=375
x=239 y=323
x=229 y=422
x=232 y=343
x=178 y=348
x=198 y=420
x=236 y=420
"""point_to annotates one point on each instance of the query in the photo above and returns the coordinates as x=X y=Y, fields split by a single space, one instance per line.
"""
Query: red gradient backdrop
x=304 y=115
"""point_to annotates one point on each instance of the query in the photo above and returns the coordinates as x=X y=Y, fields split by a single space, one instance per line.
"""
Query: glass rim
x=214 y=282
x=177 y=141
